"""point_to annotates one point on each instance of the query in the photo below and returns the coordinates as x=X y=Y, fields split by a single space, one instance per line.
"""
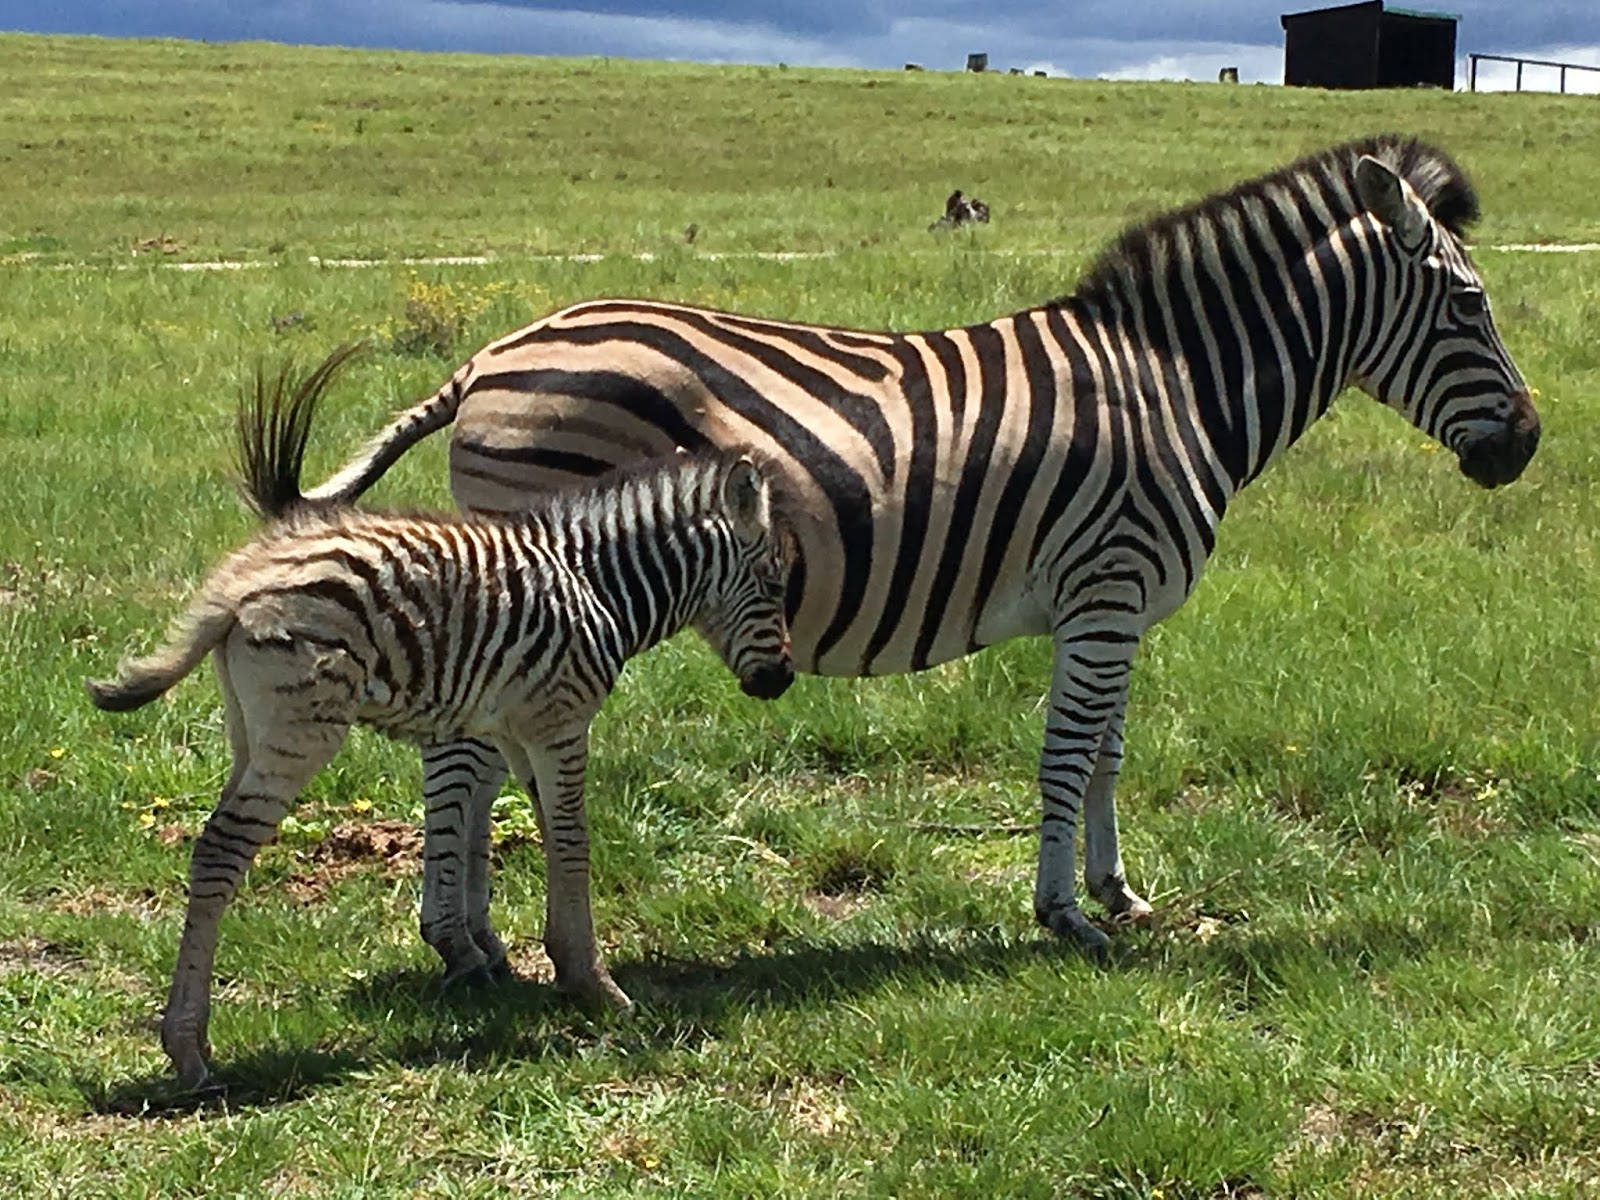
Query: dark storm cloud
x=1491 y=22
x=1163 y=37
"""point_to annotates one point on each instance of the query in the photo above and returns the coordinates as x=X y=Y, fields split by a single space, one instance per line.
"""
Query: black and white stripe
x=478 y=631
x=1057 y=471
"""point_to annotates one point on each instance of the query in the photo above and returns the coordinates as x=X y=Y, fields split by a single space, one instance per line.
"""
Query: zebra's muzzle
x=1500 y=457
x=768 y=681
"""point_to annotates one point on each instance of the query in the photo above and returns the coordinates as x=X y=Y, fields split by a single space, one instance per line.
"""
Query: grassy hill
x=257 y=152
x=1362 y=774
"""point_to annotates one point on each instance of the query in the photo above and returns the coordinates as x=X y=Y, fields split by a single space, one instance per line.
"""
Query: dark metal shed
x=1366 y=45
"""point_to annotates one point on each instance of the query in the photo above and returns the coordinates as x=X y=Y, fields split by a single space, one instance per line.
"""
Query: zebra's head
x=1432 y=351
x=743 y=614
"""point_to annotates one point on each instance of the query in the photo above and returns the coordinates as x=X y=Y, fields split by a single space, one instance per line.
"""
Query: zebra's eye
x=1468 y=305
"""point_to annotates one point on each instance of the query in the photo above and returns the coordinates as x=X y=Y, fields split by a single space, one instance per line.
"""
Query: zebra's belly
x=421 y=719
x=902 y=634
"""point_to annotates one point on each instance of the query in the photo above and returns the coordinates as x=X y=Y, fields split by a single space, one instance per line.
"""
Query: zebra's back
x=912 y=463
x=445 y=625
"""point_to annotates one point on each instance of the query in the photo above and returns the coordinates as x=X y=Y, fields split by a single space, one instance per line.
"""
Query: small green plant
x=437 y=315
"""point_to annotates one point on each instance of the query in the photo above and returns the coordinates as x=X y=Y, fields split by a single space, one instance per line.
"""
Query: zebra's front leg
x=460 y=783
x=553 y=772
x=1103 y=873
x=1086 y=692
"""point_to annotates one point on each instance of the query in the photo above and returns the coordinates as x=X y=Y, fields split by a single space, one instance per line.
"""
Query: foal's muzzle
x=769 y=680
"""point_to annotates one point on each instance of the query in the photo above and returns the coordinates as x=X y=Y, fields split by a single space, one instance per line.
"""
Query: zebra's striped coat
x=1057 y=471
x=431 y=629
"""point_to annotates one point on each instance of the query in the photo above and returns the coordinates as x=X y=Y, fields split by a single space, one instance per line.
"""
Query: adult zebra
x=1058 y=471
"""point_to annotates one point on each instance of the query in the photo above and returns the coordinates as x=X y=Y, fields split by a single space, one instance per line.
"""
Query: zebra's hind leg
x=553 y=773
x=1103 y=872
x=282 y=734
x=460 y=783
x=1087 y=689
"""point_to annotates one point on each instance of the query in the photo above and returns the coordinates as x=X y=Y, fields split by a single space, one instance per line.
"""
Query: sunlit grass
x=1362 y=776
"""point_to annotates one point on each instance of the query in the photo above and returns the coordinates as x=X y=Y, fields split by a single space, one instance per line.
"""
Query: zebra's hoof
x=598 y=996
x=1071 y=926
x=1124 y=906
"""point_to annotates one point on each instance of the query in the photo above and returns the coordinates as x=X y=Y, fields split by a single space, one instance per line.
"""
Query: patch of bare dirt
x=836 y=907
x=531 y=963
x=143 y=903
x=393 y=848
x=162 y=243
x=36 y=779
x=36 y=956
x=815 y=1108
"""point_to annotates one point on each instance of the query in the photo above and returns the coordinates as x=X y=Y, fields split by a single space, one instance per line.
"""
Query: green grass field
x=1364 y=761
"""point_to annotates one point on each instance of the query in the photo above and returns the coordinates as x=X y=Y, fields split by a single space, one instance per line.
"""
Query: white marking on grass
x=644 y=256
x=1548 y=247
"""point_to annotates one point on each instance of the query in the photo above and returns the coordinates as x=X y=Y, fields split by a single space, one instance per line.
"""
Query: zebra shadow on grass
x=404 y=1017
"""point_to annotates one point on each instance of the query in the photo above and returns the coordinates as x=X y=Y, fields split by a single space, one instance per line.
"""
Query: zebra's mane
x=692 y=479
x=1137 y=255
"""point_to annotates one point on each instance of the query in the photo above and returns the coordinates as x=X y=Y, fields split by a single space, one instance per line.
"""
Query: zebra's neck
x=1242 y=318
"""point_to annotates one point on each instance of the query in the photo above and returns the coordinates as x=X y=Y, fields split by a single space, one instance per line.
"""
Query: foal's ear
x=1387 y=196
x=744 y=492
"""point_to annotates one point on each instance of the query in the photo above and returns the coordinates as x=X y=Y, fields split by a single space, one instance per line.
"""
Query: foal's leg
x=553 y=773
x=280 y=741
x=460 y=783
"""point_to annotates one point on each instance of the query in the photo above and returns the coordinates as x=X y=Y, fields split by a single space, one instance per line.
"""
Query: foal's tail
x=274 y=422
x=141 y=680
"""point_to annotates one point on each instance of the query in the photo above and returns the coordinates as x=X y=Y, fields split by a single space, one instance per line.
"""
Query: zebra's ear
x=744 y=492
x=1389 y=198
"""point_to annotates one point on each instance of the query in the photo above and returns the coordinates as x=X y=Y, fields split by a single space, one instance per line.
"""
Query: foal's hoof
x=474 y=978
x=190 y=1064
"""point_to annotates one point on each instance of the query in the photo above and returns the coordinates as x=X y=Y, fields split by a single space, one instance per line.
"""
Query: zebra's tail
x=274 y=423
x=382 y=452
x=141 y=680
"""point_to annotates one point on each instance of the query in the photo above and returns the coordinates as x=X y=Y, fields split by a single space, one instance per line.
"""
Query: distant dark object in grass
x=291 y=320
x=962 y=210
x=163 y=243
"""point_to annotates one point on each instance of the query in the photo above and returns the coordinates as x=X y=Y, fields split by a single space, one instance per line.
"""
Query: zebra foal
x=511 y=630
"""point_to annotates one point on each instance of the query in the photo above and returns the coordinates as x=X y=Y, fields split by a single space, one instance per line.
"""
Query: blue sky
x=1153 y=39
